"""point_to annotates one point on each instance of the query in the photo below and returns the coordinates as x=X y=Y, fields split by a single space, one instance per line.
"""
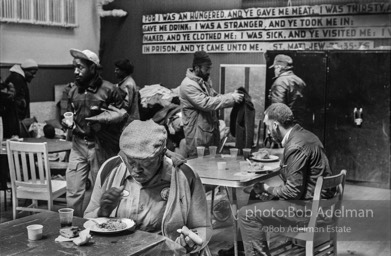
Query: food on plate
x=256 y=167
x=70 y=232
x=112 y=225
x=261 y=154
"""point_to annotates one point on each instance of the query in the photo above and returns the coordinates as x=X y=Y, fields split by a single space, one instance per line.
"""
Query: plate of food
x=263 y=156
x=109 y=225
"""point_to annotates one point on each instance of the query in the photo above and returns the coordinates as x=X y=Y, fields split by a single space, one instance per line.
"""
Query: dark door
x=359 y=80
x=311 y=67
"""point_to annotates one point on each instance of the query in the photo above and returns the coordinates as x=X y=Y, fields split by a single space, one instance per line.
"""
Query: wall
x=49 y=46
x=122 y=37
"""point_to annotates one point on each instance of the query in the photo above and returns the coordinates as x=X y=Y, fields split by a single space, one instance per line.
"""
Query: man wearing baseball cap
x=287 y=87
x=94 y=141
x=21 y=75
x=142 y=183
x=200 y=103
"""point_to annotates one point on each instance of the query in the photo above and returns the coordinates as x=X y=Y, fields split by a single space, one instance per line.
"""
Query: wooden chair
x=320 y=236
x=31 y=177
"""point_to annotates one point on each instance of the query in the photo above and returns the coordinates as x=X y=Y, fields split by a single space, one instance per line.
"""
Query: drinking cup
x=34 y=232
x=244 y=167
x=200 y=151
x=68 y=116
x=221 y=166
x=246 y=153
x=212 y=151
x=66 y=216
x=233 y=152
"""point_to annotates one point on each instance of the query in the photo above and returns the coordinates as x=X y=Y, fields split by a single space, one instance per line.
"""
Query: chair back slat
x=25 y=176
x=32 y=166
x=16 y=161
x=41 y=168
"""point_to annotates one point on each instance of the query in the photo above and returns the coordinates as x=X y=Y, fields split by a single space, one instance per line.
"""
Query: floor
x=365 y=232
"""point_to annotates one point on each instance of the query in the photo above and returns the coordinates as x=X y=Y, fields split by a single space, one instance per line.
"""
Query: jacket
x=22 y=96
x=304 y=160
x=186 y=204
x=288 y=89
x=199 y=103
x=242 y=120
x=90 y=102
x=130 y=93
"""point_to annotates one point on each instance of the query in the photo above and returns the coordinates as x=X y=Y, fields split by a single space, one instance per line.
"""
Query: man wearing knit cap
x=287 y=87
x=142 y=183
x=200 y=103
x=128 y=88
x=94 y=139
x=21 y=75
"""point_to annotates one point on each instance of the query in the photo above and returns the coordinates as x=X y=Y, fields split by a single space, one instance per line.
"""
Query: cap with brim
x=143 y=140
x=86 y=55
x=282 y=60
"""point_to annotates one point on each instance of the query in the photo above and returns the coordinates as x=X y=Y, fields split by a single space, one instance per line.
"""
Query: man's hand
x=111 y=115
x=177 y=159
x=188 y=239
x=109 y=200
x=260 y=190
x=238 y=97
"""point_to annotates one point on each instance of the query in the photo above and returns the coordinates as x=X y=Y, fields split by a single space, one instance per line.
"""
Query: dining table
x=232 y=177
x=14 y=239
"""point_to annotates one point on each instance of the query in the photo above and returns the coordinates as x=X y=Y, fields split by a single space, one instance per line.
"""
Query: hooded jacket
x=22 y=96
x=242 y=121
x=288 y=89
x=199 y=103
x=186 y=204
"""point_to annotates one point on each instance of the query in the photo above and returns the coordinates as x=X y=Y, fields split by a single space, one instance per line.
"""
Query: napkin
x=83 y=238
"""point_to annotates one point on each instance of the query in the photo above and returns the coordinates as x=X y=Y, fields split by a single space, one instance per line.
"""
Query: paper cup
x=221 y=166
x=246 y=153
x=200 y=151
x=68 y=116
x=233 y=152
x=244 y=167
x=66 y=217
x=34 y=232
x=212 y=151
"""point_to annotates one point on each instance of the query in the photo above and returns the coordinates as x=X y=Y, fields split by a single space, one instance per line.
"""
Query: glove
x=111 y=115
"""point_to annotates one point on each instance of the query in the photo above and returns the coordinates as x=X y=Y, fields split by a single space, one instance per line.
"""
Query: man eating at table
x=303 y=161
x=142 y=184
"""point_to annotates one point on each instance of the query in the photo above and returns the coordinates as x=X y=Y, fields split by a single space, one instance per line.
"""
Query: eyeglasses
x=131 y=164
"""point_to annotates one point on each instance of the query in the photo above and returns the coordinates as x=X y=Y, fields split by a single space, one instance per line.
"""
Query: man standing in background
x=287 y=87
x=127 y=85
x=19 y=77
x=200 y=103
x=93 y=141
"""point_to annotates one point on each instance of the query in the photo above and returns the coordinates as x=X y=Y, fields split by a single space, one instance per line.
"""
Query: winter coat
x=199 y=104
x=22 y=96
x=242 y=120
x=288 y=89
x=186 y=204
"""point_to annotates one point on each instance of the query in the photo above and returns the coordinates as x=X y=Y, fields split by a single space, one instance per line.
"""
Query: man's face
x=203 y=71
x=83 y=72
x=29 y=74
x=273 y=128
x=119 y=73
x=277 y=70
x=143 y=170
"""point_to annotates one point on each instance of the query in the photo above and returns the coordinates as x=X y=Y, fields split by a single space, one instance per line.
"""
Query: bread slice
x=70 y=232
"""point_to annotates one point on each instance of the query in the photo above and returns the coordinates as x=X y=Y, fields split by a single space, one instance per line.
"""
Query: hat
x=86 y=55
x=124 y=65
x=201 y=57
x=283 y=60
x=143 y=139
x=29 y=64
